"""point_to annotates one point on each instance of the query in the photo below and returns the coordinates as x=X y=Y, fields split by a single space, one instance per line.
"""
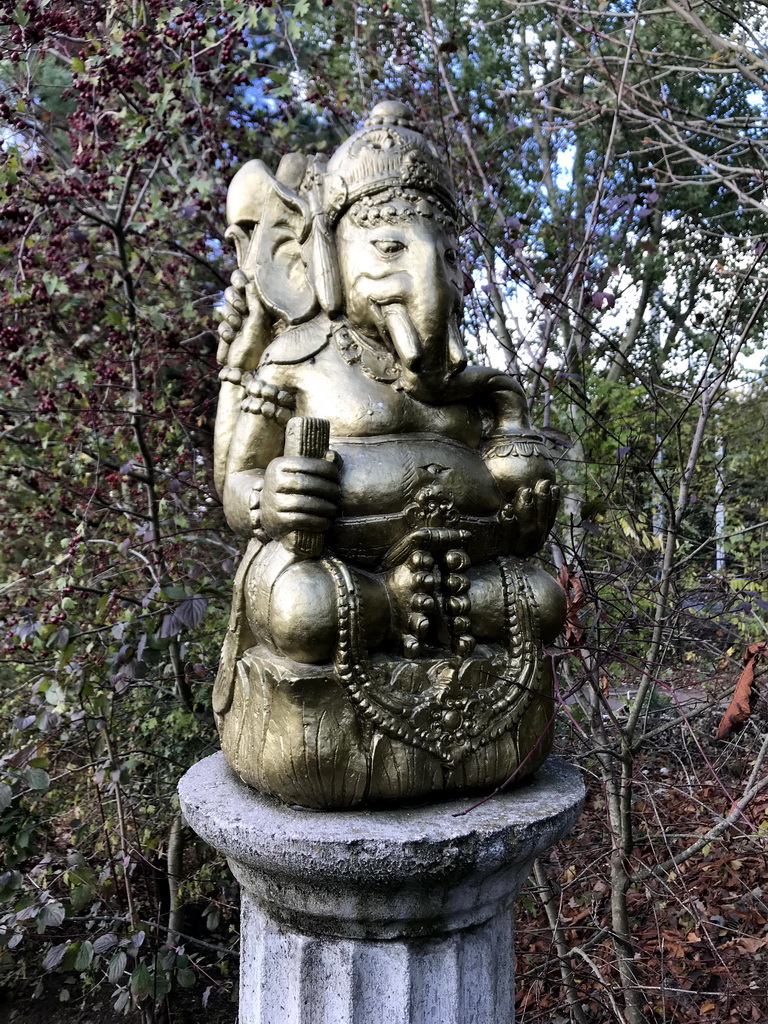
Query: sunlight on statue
x=386 y=635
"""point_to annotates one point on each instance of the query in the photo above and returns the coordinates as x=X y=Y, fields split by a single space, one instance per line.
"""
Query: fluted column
x=379 y=917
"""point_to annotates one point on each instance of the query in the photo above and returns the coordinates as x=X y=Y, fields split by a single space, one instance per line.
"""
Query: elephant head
x=369 y=236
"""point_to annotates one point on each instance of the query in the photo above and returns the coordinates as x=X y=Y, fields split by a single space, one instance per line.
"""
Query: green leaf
x=10 y=883
x=55 y=285
x=60 y=641
x=84 y=957
x=161 y=985
x=104 y=943
x=141 y=982
x=37 y=779
x=123 y=1001
x=167 y=958
x=52 y=915
x=186 y=977
x=117 y=966
x=82 y=376
x=6 y=795
x=54 y=694
x=191 y=611
x=593 y=507
x=80 y=897
x=54 y=956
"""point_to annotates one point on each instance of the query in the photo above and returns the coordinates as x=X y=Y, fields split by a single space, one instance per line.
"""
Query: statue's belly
x=381 y=475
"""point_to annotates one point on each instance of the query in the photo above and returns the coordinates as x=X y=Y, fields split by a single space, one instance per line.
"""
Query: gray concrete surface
x=400 y=916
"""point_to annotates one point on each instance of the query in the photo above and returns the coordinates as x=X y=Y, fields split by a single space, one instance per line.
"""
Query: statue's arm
x=266 y=491
x=258 y=438
x=519 y=461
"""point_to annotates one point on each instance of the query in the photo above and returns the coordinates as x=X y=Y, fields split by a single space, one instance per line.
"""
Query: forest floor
x=184 y=1008
x=700 y=931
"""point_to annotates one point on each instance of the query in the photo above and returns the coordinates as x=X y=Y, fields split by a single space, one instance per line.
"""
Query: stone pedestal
x=379 y=917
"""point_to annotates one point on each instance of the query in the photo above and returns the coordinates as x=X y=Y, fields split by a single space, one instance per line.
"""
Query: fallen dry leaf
x=576 y=598
x=747 y=945
x=740 y=707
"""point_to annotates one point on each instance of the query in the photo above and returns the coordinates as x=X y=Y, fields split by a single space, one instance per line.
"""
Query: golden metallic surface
x=385 y=642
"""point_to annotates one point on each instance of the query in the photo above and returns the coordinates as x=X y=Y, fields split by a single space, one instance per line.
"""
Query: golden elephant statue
x=385 y=642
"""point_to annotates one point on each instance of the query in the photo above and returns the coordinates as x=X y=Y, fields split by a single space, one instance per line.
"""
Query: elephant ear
x=246 y=196
x=279 y=270
x=268 y=222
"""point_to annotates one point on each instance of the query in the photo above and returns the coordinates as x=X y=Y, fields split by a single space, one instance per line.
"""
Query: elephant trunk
x=428 y=364
x=403 y=335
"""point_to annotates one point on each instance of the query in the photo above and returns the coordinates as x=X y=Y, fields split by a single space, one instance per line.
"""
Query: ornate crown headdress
x=389 y=152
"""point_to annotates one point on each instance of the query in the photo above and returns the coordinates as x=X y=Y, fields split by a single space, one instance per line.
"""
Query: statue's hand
x=300 y=493
x=534 y=509
x=243 y=331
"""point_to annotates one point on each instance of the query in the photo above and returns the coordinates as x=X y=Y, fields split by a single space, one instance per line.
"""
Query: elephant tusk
x=457 y=355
